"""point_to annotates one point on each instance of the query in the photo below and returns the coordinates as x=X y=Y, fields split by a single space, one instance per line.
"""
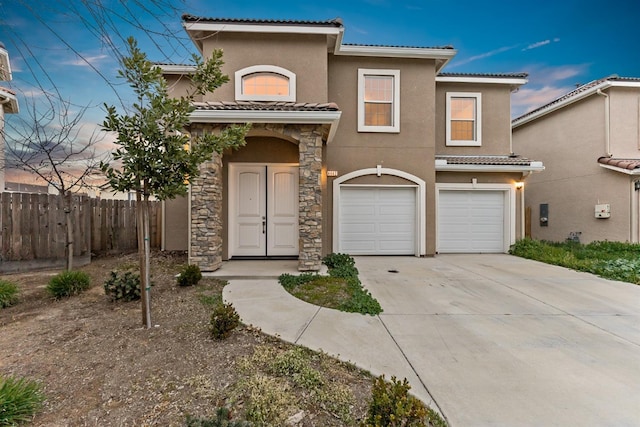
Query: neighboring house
x=359 y=149
x=8 y=105
x=589 y=140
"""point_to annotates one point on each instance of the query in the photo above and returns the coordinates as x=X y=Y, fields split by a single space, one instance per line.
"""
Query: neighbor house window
x=464 y=119
x=265 y=83
x=378 y=100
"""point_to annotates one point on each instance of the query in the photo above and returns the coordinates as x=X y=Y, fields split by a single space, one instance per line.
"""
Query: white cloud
x=528 y=99
x=482 y=56
x=541 y=43
x=87 y=60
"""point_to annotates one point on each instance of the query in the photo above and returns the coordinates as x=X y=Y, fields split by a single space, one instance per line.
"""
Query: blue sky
x=558 y=43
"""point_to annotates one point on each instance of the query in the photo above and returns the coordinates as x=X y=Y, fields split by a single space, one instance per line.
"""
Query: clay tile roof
x=337 y=22
x=398 y=46
x=494 y=75
x=576 y=92
x=7 y=90
x=629 y=164
x=486 y=160
x=265 y=106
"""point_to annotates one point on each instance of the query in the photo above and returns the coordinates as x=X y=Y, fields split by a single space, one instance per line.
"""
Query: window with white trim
x=464 y=114
x=378 y=100
x=265 y=83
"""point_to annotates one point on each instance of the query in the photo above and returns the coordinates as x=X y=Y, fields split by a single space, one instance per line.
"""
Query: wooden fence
x=33 y=229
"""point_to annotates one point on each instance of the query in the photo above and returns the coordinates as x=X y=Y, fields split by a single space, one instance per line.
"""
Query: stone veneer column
x=206 y=216
x=310 y=197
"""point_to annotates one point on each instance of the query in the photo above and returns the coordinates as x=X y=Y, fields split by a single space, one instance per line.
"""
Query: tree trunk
x=69 y=224
x=147 y=256
x=144 y=283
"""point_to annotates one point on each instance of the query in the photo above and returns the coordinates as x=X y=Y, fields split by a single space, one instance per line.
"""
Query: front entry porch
x=222 y=226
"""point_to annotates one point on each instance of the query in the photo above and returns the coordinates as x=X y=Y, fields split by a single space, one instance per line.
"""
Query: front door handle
x=264 y=225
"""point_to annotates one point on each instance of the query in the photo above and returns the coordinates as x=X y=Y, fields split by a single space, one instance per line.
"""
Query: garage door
x=377 y=220
x=471 y=221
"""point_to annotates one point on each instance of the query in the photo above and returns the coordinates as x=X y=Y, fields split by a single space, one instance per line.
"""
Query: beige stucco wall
x=569 y=142
x=411 y=150
x=302 y=54
x=625 y=122
x=176 y=224
x=495 y=119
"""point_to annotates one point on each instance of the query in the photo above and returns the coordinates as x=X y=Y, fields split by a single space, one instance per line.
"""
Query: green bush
x=296 y=364
x=68 y=283
x=20 y=399
x=611 y=260
x=224 y=320
x=8 y=293
x=222 y=419
x=392 y=405
x=336 y=260
x=124 y=286
x=190 y=275
x=342 y=291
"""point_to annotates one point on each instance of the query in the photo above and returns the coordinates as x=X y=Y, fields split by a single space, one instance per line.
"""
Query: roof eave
x=513 y=82
x=441 y=55
x=194 y=28
x=177 y=69
x=331 y=118
x=621 y=170
x=9 y=102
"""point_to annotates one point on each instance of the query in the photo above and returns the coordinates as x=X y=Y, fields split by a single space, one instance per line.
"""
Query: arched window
x=265 y=83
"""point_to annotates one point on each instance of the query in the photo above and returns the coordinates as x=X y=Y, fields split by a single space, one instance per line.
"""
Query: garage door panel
x=377 y=221
x=471 y=221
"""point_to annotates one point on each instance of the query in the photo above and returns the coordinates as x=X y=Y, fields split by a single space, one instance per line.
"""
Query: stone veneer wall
x=310 y=191
x=205 y=247
x=206 y=200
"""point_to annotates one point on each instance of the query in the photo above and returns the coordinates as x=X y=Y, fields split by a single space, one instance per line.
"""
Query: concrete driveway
x=502 y=341
x=488 y=340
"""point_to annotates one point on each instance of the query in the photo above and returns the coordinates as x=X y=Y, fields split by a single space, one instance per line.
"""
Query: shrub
x=68 y=283
x=337 y=260
x=296 y=364
x=123 y=286
x=8 y=293
x=222 y=419
x=392 y=405
x=190 y=275
x=224 y=319
x=20 y=399
x=269 y=400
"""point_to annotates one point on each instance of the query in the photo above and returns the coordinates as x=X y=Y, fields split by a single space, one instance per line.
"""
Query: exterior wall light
x=519 y=185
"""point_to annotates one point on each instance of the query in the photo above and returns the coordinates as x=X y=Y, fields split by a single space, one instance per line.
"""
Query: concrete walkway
x=489 y=340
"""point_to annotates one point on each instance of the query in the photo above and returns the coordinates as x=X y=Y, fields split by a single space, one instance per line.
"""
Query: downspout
x=607 y=125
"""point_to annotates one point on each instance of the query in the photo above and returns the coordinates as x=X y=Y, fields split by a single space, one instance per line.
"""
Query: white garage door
x=377 y=220
x=471 y=221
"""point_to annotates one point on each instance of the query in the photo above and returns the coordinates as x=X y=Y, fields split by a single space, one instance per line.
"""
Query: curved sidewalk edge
x=355 y=338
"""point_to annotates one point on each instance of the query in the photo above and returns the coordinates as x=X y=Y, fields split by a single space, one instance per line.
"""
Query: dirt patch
x=99 y=367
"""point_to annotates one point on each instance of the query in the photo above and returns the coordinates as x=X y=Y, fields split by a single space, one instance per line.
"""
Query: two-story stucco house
x=8 y=104
x=359 y=149
x=589 y=141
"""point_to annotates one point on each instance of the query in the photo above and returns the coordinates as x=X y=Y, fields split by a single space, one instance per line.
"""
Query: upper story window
x=265 y=83
x=378 y=100
x=464 y=113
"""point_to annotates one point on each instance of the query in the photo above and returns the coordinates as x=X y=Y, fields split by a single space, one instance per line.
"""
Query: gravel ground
x=99 y=367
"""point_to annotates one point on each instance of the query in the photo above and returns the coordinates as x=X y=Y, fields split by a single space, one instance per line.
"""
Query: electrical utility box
x=603 y=210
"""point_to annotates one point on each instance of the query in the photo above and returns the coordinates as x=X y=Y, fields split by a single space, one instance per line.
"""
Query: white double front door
x=263 y=209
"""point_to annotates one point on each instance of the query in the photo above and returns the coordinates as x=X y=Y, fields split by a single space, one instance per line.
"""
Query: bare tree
x=52 y=143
